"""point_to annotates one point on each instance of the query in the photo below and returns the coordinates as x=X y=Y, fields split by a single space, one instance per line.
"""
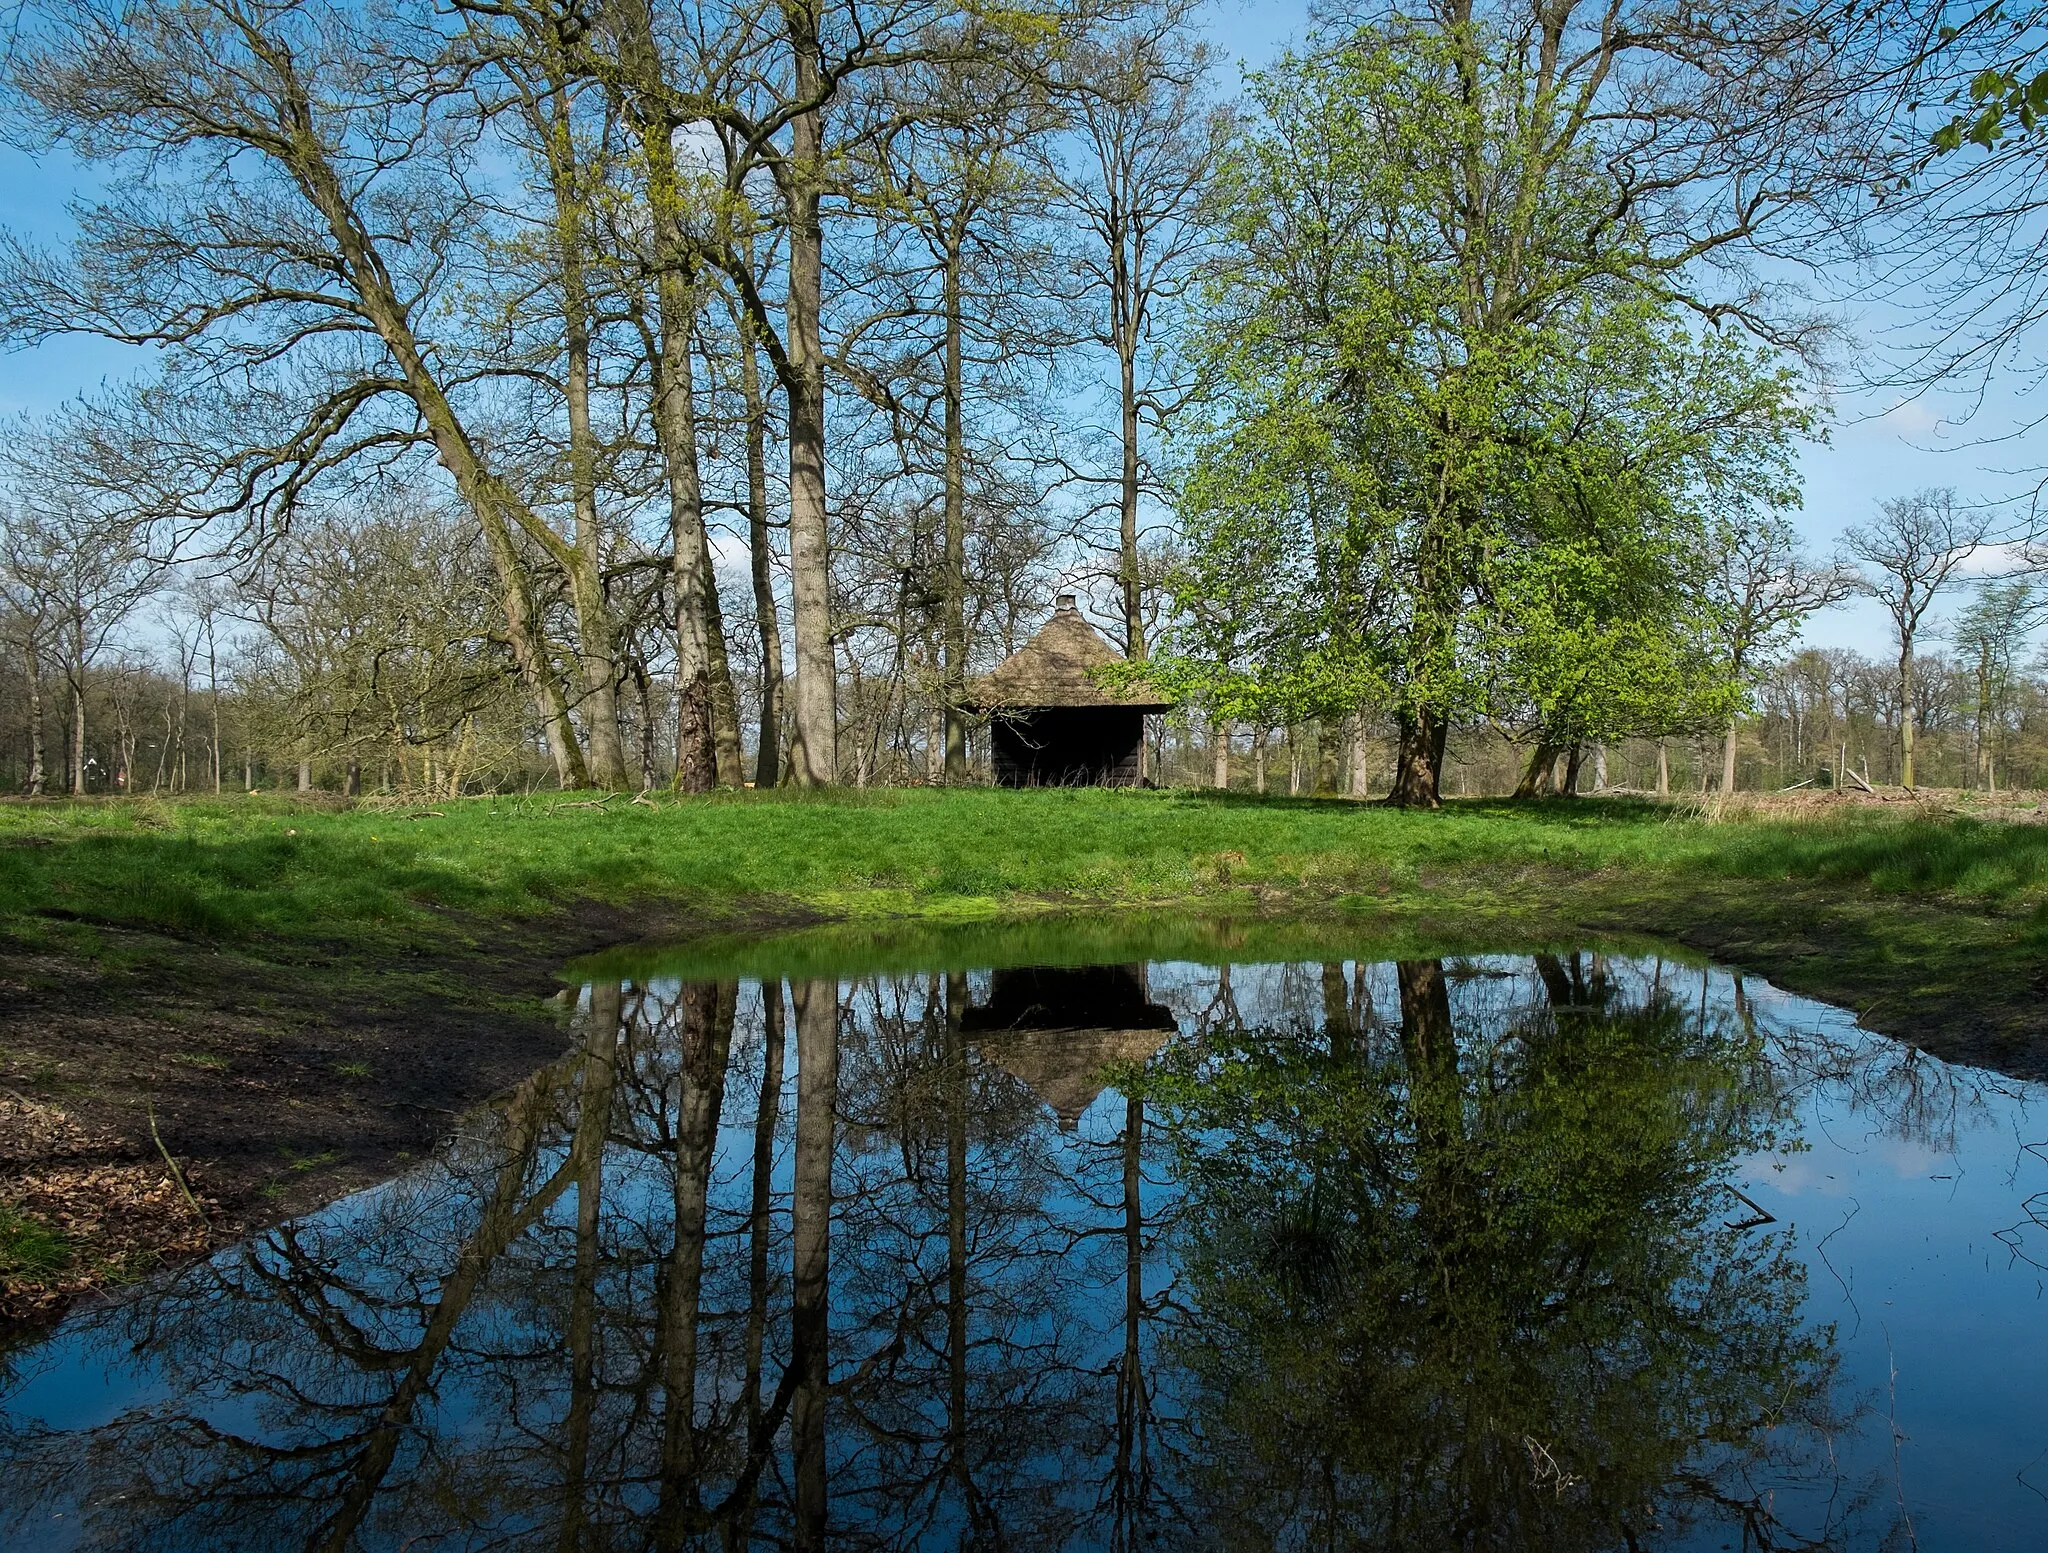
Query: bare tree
x=1147 y=140
x=1764 y=590
x=289 y=240
x=25 y=626
x=958 y=174
x=1910 y=556
x=78 y=572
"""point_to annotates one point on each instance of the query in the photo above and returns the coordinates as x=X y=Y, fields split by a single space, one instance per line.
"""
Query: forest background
x=533 y=396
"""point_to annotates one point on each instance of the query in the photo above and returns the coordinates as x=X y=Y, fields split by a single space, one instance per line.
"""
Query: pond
x=1116 y=1239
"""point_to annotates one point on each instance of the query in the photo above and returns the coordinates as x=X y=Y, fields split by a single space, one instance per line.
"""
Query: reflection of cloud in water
x=1795 y=1175
x=1912 y=1157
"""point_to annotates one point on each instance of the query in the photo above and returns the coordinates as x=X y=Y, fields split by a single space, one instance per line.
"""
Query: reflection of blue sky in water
x=1908 y=1174
x=1916 y=1191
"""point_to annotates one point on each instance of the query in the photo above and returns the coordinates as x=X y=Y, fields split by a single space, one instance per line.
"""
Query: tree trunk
x=586 y=1163
x=643 y=694
x=768 y=744
x=1663 y=769
x=1728 y=759
x=1982 y=720
x=707 y=728
x=1329 y=746
x=953 y=566
x=690 y=552
x=352 y=781
x=1906 y=729
x=1600 y=767
x=707 y=1015
x=958 y=1100
x=1418 y=760
x=1127 y=1496
x=816 y=756
x=77 y=740
x=1537 y=774
x=596 y=632
x=760 y=1221
x=305 y=776
x=32 y=673
x=1219 y=735
x=1259 y=740
x=1573 y=759
x=817 y=1098
x=1361 y=758
x=1127 y=485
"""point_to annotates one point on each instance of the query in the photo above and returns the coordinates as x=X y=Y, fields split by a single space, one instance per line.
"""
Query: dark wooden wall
x=1067 y=746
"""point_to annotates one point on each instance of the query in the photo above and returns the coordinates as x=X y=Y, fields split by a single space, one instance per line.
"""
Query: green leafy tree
x=1990 y=636
x=1447 y=316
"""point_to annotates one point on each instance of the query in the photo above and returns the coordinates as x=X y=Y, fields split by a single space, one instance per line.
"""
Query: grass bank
x=246 y=870
x=301 y=996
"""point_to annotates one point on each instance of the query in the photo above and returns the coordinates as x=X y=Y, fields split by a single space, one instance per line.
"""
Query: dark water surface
x=1502 y=1252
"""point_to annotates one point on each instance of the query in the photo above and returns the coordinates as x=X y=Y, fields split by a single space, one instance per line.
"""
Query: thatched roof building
x=1057 y=1030
x=1051 y=724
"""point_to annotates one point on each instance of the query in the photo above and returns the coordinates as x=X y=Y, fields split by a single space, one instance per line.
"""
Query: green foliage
x=2003 y=102
x=1464 y=460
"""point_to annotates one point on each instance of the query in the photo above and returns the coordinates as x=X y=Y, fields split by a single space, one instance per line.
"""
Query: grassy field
x=251 y=869
x=294 y=999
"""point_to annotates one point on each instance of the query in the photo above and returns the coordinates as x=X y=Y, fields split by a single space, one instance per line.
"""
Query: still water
x=1535 y=1251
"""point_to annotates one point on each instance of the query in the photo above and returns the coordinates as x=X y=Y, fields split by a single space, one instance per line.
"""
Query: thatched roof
x=1065 y=1068
x=1052 y=670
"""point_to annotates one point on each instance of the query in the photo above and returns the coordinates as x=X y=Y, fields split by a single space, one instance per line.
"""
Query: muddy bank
x=159 y=1097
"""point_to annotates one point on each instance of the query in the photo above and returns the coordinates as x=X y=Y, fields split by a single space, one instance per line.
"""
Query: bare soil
x=136 y=1069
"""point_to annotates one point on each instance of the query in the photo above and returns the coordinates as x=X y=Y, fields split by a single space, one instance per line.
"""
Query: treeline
x=703 y=395
x=1824 y=718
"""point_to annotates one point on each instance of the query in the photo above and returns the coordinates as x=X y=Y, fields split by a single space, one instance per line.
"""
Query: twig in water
x=1898 y=1438
x=177 y=1175
x=1763 y=1214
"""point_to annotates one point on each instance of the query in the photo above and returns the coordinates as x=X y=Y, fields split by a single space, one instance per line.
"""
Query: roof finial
x=1064 y=601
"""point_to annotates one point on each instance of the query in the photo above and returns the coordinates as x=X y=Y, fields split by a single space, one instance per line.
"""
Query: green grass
x=240 y=869
x=30 y=1250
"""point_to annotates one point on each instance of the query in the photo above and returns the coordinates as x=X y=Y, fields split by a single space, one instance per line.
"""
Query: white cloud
x=1911 y=418
x=1994 y=561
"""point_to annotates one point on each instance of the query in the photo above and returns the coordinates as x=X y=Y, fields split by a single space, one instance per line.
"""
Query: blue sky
x=1878 y=446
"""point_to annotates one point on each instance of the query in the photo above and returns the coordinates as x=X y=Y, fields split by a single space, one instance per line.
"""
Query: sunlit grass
x=246 y=867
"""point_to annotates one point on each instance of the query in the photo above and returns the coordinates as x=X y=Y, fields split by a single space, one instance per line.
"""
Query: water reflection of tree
x=756 y=1266
x=1463 y=1278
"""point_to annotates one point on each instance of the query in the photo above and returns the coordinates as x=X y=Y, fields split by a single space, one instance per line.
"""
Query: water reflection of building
x=1058 y=1029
